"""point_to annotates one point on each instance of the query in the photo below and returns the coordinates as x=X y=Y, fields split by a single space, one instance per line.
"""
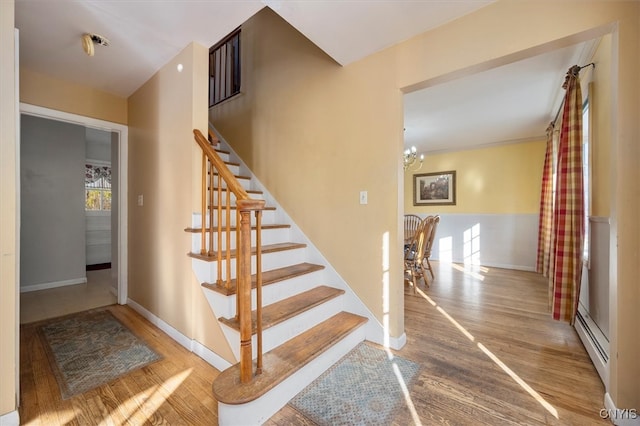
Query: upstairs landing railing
x=216 y=180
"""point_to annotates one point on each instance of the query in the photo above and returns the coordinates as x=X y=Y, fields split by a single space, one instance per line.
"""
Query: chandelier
x=411 y=161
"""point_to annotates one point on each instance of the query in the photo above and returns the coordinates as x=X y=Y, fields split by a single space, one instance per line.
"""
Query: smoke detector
x=88 y=41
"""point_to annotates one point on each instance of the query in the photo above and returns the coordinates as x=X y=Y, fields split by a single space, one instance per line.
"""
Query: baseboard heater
x=595 y=343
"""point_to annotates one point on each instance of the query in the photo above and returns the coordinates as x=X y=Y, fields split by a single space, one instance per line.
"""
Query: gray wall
x=52 y=237
x=115 y=138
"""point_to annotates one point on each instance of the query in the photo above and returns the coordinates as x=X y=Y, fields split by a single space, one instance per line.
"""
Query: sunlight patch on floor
x=519 y=381
x=493 y=357
x=407 y=396
x=139 y=409
x=147 y=402
x=471 y=270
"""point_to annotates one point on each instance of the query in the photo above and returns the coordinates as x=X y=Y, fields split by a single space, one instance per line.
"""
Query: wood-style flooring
x=173 y=391
x=490 y=355
x=489 y=351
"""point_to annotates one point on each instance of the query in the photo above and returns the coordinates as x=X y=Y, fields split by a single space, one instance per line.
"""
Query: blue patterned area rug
x=89 y=349
x=363 y=388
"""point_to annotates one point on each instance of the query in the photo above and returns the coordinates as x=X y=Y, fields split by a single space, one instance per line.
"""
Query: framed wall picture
x=434 y=189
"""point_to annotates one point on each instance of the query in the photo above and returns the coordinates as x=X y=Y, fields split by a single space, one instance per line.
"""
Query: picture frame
x=434 y=189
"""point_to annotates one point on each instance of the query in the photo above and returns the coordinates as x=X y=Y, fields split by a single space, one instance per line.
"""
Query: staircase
x=285 y=313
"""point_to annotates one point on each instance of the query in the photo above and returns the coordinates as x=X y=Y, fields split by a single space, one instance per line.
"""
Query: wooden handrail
x=213 y=165
x=223 y=170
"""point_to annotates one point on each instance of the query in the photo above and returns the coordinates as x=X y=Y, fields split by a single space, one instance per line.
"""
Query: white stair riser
x=281 y=290
x=222 y=306
x=261 y=409
x=225 y=306
x=207 y=271
x=224 y=156
x=245 y=183
x=233 y=169
x=286 y=330
x=269 y=236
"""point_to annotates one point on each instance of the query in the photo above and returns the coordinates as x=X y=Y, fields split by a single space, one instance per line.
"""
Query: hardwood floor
x=489 y=351
x=490 y=355
x=173 y=391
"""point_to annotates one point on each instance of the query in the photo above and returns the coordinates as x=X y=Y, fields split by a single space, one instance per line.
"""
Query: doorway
x=113 y=279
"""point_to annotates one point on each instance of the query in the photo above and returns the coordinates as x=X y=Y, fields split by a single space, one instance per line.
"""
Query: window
x=97 y=188
x=224 y=69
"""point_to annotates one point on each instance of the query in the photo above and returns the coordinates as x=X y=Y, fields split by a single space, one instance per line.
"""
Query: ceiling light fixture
x=410 y=159
x=88 y=41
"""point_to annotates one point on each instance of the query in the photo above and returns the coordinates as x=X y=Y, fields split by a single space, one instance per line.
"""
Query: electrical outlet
x=363 y=197
x=140 y=200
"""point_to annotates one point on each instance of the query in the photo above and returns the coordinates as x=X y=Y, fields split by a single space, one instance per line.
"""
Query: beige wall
x=162 y=158
x=302 y=122
x=601 y=133
x=49 y=92
x=334 y=131
x=502 y=179
x=8 y=232
x=317 y=134
x=519 y=29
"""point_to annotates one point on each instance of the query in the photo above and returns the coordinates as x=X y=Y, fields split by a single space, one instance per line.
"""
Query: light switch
x=363 y=197
x=140 y=200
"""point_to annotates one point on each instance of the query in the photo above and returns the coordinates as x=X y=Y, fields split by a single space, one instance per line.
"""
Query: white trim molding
x=53 y=284
x=619 y=416
x=190 y=344
x=10 y=419
x=123 y=158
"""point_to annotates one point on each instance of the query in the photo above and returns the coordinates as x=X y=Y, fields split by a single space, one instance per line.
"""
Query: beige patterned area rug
x=366 y=387
x=89 y=349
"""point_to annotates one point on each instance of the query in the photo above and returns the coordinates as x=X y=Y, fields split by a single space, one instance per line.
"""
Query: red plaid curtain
x=545 y=222
x=568 y=212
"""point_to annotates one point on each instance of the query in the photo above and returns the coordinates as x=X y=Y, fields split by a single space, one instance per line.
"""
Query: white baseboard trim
x=491 y=265
x=153 y=319
x=211 y=357
x=398 y=343
x=618 y=416
x=514 y=267
x=395 y=343
x=191 y=345
x=53 y=284
x=10 y=419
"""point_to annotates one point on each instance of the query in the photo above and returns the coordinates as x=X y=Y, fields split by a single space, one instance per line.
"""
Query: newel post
x=244 y=294
x=243 y=258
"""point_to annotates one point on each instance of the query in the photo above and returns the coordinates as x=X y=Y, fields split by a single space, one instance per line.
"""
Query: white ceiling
x=508 y=103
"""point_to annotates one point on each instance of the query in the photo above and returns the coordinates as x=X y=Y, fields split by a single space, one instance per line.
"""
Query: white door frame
x=123 y=153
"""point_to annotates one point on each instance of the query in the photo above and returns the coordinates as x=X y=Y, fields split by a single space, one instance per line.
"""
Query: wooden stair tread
x=285 y=309
x=285 y=360
x=268 y=248
x=269 y=277
x=233 y=228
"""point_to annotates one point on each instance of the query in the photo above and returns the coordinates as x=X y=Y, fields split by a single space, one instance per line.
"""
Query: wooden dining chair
x=415 y=255
x=429 y=243
x=411 y=224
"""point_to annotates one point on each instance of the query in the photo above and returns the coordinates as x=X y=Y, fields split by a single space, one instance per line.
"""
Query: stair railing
x=216 y=179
